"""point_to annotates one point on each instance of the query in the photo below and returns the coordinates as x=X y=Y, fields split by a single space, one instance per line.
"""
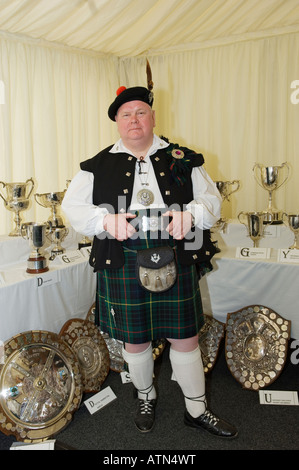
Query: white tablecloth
x=235 y=283
x=42 y=301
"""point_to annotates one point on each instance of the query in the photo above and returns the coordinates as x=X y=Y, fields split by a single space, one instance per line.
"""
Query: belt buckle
x=150 y=223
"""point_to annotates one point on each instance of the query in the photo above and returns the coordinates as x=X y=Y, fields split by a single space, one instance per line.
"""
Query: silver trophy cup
x=36 y=233
x=292 y=221
x=57 y=235
x=226 y=189
x=254 y=222
x=17 y=200
x=271 y=178
x=52 y=201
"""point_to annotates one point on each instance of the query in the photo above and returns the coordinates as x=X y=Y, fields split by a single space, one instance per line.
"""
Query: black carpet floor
x=261 y=427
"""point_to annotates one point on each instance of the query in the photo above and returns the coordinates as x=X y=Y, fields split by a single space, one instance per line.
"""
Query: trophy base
x=37 y=265
x=84 y=243
x=15 y=233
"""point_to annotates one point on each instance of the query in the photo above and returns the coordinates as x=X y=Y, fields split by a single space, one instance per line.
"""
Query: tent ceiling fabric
x=135 y=27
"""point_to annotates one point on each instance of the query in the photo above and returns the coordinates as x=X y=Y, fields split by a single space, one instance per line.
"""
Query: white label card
x=253 y=253
x=99 y=400
x=277 y=397
x=69 y=257
x=47 y=279
x=285 y=255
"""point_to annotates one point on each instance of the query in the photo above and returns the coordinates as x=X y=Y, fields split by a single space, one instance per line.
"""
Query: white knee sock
x=189 y=373
x=141 y=369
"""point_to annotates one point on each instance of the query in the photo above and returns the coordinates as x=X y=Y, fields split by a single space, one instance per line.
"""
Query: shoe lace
x=146 y=406
x=210 y=418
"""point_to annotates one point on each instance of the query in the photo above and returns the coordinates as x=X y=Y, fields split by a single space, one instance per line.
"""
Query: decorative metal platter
x=256 y=345
x=84 y=338
x=40 y=386
x=209 y=339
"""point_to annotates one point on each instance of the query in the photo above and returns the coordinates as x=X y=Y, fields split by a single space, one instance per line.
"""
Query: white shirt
x=87 y=219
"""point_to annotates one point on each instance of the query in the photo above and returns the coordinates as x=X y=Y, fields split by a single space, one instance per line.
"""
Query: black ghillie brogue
x=145 y=415
x=212 y=424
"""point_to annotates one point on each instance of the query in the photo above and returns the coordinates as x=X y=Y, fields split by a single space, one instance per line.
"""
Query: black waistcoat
x=113 y=186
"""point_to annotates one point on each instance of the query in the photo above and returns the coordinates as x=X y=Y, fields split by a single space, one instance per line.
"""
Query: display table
x=42 y=301
x=238 y=282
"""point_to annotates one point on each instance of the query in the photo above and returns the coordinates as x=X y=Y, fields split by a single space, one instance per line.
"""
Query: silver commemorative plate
x=40 y=386
x=84 y=338
x=256 y=345
x=209 y=339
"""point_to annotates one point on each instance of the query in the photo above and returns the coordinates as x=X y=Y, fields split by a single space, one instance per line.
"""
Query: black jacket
x=113 y=186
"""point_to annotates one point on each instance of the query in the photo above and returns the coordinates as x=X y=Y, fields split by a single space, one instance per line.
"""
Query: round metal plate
x=256 y=345
x=209 y=339
x=84 y=338
x=40 y=386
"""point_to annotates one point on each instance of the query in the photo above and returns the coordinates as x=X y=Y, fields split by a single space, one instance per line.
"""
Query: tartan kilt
x=130 y=314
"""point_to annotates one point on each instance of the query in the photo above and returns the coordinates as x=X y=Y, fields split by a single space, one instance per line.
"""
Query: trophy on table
x=36 y=233
x=17 y=200
x=226 y=189
x=270 y=178
x=57 y=235
x=52 y=201
x=292 y=221
x=254 y=222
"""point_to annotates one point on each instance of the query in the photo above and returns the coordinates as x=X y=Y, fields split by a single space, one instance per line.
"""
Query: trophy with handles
x=53 y=202
x=271 y=178
x=17 y=200
x=226 y=189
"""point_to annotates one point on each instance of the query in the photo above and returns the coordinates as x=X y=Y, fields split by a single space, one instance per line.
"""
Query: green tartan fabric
x=129 y=313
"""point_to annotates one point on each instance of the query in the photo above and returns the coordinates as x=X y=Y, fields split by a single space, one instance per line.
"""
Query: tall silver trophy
x=292 y=221
x=17 y=200
x=226 y=189
x=53 y=202
x=36 y=233
x=254 y=222
x=271 y=178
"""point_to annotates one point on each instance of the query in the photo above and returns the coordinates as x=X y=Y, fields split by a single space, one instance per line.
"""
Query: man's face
x=135 y=122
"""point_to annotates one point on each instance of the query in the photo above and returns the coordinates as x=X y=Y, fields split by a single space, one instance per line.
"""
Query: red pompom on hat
x=120 y=90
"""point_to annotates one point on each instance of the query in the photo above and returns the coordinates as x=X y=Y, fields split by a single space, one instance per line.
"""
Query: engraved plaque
x=256 y=345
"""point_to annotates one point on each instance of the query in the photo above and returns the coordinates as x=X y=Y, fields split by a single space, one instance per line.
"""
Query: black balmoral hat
x=137 y=93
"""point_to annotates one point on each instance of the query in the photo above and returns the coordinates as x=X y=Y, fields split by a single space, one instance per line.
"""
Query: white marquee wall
x=232 y=102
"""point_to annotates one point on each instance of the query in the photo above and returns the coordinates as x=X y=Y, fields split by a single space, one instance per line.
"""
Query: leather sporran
x=156 y=269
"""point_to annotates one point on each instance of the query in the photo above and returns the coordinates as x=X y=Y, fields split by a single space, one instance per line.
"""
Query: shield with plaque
x=256 y=345
x=84 y=338
x=40 y=386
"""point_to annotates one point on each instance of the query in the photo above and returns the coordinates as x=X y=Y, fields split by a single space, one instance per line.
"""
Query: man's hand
x=180 y=225
x=118 y=226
